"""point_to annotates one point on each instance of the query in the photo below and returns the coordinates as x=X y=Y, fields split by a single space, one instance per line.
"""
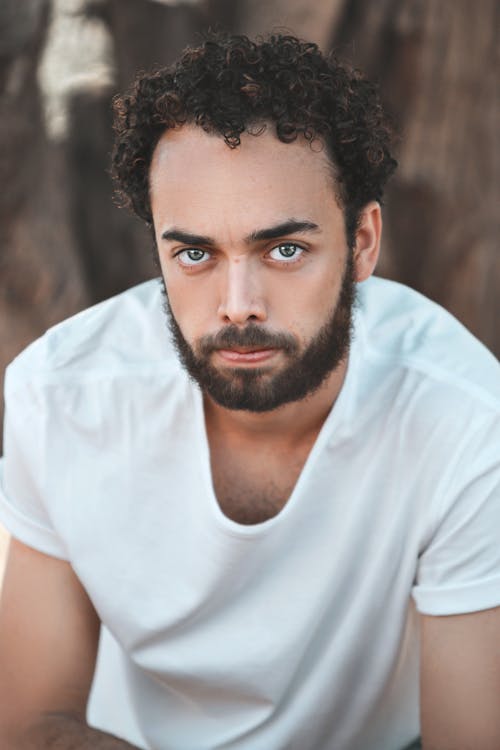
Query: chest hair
x=252 y=489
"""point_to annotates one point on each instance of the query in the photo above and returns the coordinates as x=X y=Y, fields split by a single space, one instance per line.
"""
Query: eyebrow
x=179 y=235
x=291 y=226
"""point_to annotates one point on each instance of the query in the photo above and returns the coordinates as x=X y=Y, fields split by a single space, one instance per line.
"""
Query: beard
x=258 y=389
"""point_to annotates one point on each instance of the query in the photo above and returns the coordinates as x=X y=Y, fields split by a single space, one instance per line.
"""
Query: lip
x=244 y=355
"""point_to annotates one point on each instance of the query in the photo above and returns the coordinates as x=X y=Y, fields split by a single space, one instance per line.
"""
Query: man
x=287 y=520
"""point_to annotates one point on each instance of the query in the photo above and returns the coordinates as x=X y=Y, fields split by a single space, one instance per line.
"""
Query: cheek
x=192 y=309
x=307 y=301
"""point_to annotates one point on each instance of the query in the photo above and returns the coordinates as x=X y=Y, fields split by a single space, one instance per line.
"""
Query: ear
x=367 y=244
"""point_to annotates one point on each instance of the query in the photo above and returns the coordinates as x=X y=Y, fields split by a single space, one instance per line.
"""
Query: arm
x=49 y=634
x=460 y=681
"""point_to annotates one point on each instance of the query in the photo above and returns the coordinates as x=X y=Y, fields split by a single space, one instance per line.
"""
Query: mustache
x=253 y=336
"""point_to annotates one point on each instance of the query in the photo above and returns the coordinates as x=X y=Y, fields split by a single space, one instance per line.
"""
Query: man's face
x=259 y=278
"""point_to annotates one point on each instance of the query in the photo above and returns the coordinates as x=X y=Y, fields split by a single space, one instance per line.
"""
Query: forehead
x=197 y=181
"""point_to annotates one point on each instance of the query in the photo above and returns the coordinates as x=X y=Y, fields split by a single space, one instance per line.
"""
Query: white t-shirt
x=299 y=633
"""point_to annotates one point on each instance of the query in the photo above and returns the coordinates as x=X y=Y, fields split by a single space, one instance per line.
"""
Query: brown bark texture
x=64 y=245
x=40 y=273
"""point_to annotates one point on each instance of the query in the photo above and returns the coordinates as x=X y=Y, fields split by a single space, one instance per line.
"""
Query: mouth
x=246 y=354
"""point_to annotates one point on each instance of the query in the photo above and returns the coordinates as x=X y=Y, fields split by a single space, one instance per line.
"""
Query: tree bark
x=41 y=279
x=437 y=64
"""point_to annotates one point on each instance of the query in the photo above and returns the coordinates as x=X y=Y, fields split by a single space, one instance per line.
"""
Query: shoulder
x=426 y=386
x=405 y=332
x=126 y=334
x=428 y=408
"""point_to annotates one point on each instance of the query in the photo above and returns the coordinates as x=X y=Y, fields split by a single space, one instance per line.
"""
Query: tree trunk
x=41 y=279
x=436 y=62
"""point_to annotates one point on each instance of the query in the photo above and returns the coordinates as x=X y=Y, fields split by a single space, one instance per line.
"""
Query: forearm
x=61 y=732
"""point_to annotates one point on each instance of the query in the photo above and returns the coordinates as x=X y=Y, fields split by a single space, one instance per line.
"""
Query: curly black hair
x=230 y=85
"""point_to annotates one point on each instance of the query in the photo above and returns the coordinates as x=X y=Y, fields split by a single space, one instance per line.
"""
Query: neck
x=291 y=423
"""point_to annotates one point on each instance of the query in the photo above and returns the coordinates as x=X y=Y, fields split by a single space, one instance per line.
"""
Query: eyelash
x=278 y=247
x=187 y=250
x=288 y=244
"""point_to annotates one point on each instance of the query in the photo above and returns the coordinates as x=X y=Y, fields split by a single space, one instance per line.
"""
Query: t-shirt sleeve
x=24 y=509
x=459 y=569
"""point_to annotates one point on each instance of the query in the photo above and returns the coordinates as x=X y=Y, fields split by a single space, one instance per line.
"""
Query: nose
x=241 y=299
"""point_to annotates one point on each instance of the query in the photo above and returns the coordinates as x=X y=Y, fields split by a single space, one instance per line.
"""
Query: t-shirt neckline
x=330 y=432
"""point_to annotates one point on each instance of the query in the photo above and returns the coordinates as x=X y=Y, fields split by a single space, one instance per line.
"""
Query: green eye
x=287 y=251
x=192 y=256
x=195 y=254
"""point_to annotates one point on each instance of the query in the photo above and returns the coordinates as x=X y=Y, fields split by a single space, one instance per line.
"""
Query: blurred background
x=64 y=245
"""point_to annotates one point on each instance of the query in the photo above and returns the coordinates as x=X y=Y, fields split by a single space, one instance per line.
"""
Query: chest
x=253 y=486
